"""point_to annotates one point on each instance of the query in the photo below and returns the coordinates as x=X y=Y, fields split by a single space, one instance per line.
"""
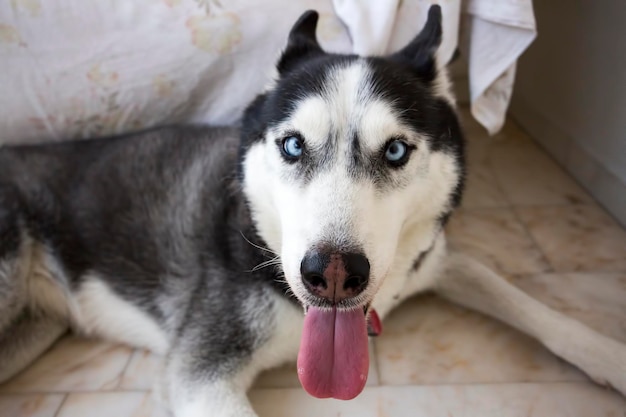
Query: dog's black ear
x=302 y=43
x=420 y=52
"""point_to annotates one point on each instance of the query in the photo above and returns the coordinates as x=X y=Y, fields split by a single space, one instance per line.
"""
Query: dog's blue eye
x=396 y=151
x=293 y=146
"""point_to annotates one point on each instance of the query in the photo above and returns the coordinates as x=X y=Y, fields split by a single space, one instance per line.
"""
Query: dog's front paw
x=607 y=364
x=236 y=411
x=212 y=404
x=616 y=383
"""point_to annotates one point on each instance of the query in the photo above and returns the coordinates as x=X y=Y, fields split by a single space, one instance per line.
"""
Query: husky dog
x=231 y=252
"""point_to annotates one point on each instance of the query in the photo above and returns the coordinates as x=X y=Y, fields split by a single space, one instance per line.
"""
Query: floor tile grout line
x=545 y=257
x=122 y=374
x=530 y=205
x=477 y=209
x=460 y=385
x=63 y=401
x=52 y=392
x=525 y=230
x=516 y=215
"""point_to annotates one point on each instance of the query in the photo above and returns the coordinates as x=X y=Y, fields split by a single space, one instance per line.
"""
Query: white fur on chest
x=282 y=346
x=402 y=281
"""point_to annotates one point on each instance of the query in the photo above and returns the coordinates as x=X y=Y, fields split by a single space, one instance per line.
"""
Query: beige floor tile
x=497 y=238
x=287 y=377
x=476 y=133
x=528 y=176
x=512 y=134
x=479 y=145
x=596 y=299
x=30 y=405
x=111 y=404
x=477 y=149
x=295 y=402
x=577 y=238
x=282 y=377
x=73 y=364
x=142 y=372
x=503 y=400
x=481 y=189
x=430 y=341
x=477 y=152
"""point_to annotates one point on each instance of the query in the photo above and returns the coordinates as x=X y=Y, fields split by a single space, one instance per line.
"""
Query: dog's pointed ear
x=302 y=42
x=420 y=52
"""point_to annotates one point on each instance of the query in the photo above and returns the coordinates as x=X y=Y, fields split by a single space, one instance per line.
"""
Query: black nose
x=335 y=276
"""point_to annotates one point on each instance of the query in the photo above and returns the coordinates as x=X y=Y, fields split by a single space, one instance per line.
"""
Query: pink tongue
x=333 y=359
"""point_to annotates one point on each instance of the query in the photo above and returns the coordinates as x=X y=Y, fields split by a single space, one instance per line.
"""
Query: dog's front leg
x=215 y=397
x=220 y=351
x=199 y=387
x=469 y=283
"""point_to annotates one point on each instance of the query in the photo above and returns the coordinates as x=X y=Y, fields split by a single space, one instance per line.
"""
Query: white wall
x=570 y=92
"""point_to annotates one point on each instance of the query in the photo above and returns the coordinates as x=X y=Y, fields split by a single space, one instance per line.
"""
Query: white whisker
x=274 y=261
x=257 y=246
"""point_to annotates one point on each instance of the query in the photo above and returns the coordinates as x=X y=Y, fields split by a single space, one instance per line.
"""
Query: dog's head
x=343 y=156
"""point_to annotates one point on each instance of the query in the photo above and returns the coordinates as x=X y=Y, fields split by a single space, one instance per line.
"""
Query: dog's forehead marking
x=347 y=106
x=379 y=123
x=312 y=119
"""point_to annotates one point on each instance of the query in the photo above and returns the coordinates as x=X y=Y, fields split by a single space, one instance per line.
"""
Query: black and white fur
x=188 y=240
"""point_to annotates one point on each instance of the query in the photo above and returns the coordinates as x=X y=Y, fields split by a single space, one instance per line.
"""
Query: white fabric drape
x=493 y=33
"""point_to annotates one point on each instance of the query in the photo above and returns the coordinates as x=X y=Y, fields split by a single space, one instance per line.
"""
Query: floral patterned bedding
x=87 y=68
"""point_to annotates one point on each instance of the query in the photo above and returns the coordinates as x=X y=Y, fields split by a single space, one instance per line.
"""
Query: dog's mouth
x=334 y=356
x=374 y=324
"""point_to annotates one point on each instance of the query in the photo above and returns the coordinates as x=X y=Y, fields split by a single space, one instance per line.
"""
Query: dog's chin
x=342 y=306
x=308 y=301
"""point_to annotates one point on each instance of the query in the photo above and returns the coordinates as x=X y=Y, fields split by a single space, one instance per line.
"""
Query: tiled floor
x=522 y=216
